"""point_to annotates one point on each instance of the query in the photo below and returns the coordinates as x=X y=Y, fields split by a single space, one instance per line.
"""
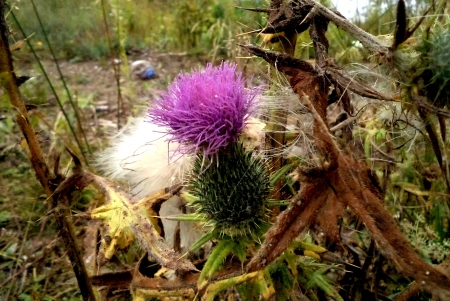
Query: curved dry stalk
x=297 y=217
x=339 y=179
x=368 y=40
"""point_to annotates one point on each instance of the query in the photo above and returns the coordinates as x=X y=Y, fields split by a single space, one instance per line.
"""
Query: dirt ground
x=97 y=81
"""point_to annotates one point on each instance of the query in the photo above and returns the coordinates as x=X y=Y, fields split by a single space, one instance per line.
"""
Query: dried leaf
x=18 y=45
x=90 y=245
x=126 y=221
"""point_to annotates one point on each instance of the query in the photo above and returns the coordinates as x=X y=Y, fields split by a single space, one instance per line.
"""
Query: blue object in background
x=150 y=73
x=143 y=70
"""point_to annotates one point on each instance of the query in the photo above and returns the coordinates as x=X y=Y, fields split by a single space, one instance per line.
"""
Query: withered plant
x=339 y=180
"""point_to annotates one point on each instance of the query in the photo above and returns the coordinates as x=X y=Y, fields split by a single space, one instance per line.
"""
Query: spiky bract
x=436 y=69
x=205 y=110
x=232 y=192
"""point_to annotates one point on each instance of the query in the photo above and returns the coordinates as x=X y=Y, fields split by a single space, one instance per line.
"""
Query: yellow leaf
x=272 y=38
x=312 y=247
x=311 y=254
x=126 y=221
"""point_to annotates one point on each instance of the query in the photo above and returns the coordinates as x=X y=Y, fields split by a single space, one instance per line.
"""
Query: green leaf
x=215 y=261
x=319 y=279
x=219 y=286
x=203 y=240
x=186 y=217
x=283 y=281
x=276 y=177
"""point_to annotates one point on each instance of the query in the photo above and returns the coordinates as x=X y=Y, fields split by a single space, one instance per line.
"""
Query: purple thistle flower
x=206 y=109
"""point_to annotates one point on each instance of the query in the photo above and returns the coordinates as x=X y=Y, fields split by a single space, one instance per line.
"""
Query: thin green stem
x=50 y=85
x=115 y=67
x=61 y=76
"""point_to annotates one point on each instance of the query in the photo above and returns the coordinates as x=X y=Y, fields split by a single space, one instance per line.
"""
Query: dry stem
x=8 y=81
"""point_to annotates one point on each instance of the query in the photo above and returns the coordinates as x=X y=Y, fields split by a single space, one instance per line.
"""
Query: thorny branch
x=339 y=179
x=297 y=15
x=61 y=210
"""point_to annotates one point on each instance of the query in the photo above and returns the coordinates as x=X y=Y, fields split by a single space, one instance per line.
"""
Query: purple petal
x=205 y=109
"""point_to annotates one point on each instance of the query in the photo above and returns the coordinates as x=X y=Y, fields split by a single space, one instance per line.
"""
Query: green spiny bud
x=231 y=190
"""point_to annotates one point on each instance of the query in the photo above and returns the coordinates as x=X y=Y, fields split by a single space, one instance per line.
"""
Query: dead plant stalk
x=61 y=212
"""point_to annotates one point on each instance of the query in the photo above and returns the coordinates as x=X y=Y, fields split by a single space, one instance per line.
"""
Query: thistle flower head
x=205 y=110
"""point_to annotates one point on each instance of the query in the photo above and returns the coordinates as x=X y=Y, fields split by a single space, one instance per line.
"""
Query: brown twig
x=414 y=289
x=368 y=40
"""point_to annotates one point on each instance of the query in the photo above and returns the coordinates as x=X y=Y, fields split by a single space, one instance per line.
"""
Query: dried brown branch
x=339 y=179
x=317 y=30
x=435 y=143
x=142 y=282
x=297 y=217
x=8 y=81
x=414 y=289
x=423 y=103
x=292 y=16
x=368 y=40
x=60 y=202
x=353 y=189
x=292 y=66
x=296 y=15
x=348 y=82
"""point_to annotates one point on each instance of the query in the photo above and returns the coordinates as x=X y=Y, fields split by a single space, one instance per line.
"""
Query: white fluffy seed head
x=252 y=135
x=141 y=157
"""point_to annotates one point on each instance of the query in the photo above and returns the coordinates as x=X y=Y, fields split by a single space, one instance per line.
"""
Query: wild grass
x=77 y=29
